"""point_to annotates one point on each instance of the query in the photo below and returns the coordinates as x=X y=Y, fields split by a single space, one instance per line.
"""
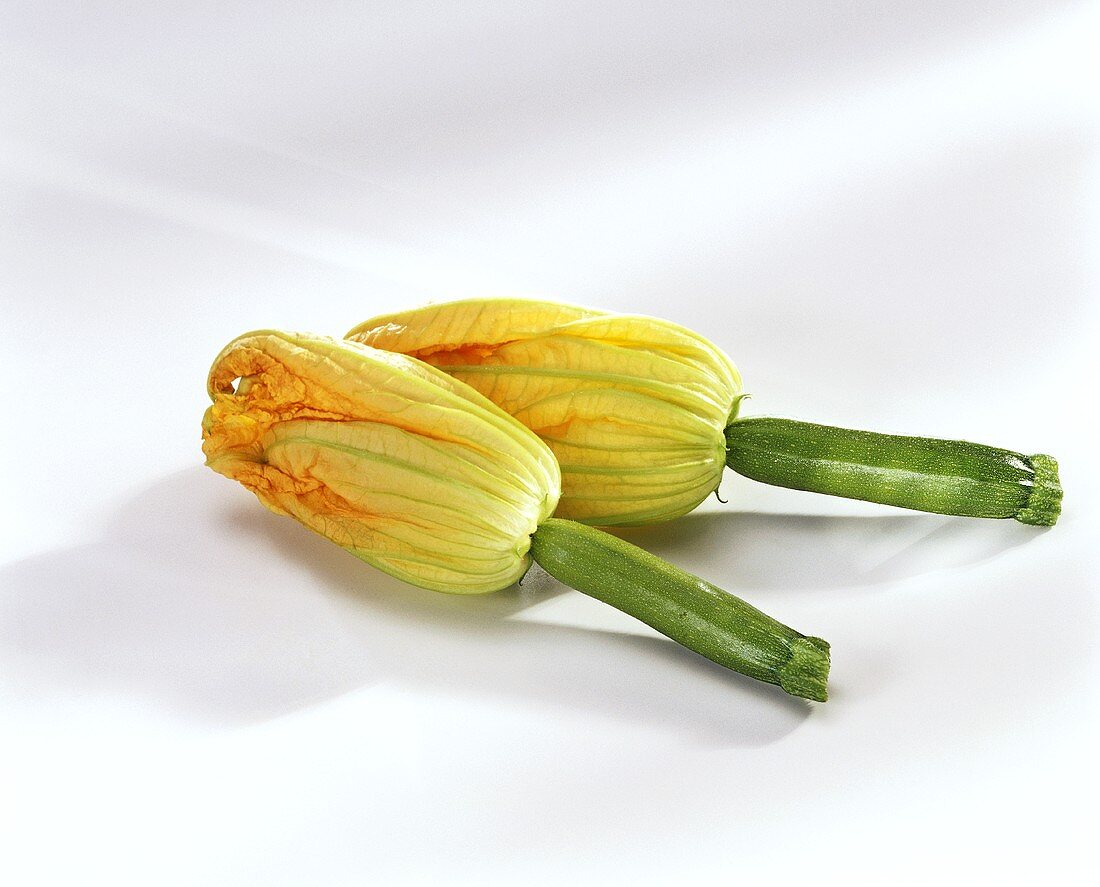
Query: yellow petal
x=633 y=407
x=392 y=459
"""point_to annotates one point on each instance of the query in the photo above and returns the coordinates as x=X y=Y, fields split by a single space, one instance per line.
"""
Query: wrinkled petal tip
x=219 y=380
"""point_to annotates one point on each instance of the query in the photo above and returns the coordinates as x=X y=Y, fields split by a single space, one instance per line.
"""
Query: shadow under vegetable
x=199 y=600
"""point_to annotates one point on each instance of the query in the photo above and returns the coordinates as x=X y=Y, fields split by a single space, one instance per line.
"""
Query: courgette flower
x=642 y=415
x=419 y=475
x=406 y=468
x=634 y=408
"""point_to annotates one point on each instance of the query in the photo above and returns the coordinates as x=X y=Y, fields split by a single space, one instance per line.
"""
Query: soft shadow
x=199 y=600
x=753 y=550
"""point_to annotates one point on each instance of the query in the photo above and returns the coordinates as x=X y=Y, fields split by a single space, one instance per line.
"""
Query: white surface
x=886 y=213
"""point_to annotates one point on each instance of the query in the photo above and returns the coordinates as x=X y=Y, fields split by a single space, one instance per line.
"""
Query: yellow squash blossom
x=642 y=415
x=633 y=407
x=393 y=460
x=421 y=476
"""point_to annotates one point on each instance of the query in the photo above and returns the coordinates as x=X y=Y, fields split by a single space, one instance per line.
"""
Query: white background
x=885 y=212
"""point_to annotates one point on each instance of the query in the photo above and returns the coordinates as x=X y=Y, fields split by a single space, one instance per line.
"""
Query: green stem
x=941 y=476
x=692 y=612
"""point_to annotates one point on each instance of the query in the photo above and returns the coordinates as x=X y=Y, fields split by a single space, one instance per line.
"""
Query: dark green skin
x=924 y=474
x=691 y=611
